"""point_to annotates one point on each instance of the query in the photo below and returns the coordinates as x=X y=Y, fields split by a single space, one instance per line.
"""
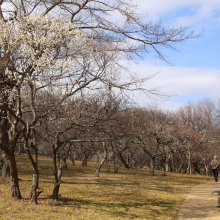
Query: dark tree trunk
x=4 y=142
x=55 y=194
x=15 y=191
x=123 y=160
x=72 y=158
x=9 y=159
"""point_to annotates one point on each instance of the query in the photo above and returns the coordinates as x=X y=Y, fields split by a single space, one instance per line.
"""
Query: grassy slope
x=129 y=194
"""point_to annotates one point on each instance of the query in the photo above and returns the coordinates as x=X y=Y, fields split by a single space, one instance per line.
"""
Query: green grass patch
x=129 y=194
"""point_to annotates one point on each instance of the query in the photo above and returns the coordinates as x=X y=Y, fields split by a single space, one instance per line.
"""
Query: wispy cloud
x=181 y=83
x=185 y=13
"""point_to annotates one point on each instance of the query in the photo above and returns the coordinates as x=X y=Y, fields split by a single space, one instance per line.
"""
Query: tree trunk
x=15 y=191
x=180 y=167
x=5 y=167
x=116 y=165
x=163 y=171
x=123 y=160
x=35 y=192
x=152 y=166
x=206 y=169
x=168 y=163
x=72 y=158
x=5 y=170
x=10 y=162
x=84 y=161
x=55 y=194
x=57 y=173
x=64 y=164
x=4 y=142
x=172 y=167
x=189 y=165
x=99 y=165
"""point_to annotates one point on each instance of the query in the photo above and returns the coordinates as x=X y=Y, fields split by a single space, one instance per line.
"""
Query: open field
x=129 y=194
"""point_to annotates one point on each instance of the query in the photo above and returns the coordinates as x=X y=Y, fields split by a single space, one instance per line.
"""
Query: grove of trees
x=63 y=91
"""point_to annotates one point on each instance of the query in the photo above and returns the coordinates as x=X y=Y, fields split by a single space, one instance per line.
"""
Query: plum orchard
x=65 y=48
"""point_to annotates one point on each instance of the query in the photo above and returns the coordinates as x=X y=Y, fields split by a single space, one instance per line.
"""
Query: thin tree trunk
x=163 y=170
x=189 y=165
x=172 y=168
x=123 y=160
x=180 y=167
x=55 y=194
x=35 y=191
x=57 y=173
x=72 y=158
x=152 y=166
x=206 y=169
x=99 y=165
x=5 y=167
x=84 y=161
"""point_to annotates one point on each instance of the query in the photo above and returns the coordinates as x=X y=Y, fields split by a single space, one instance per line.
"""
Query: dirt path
x=201 y=204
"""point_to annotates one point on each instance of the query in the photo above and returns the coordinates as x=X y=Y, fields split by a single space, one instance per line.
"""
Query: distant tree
x=194 y=122
x=152 y=133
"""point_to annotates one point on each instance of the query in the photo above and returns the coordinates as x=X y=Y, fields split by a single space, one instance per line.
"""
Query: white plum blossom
x=38 y=46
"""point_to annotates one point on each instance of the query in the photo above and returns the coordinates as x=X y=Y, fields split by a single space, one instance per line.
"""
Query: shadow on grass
x=128 y=210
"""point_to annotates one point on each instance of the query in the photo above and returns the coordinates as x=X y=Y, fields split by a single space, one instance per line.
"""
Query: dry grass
x=129 y=194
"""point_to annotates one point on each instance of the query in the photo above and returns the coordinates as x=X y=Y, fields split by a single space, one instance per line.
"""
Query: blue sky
x=195 y=70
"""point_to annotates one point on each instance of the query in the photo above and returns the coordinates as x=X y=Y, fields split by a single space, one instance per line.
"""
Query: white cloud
x=201 y=14
x=183 y=83
x=157 y=8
